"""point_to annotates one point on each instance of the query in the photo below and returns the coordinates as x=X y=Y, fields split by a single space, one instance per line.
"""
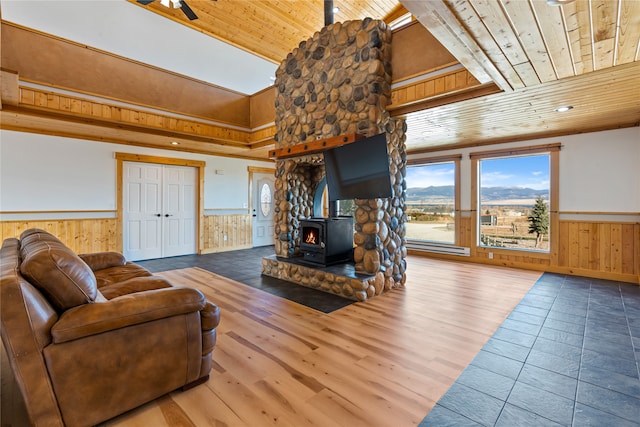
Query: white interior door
x=159 y=211
x=179 y=212
x=262 y=209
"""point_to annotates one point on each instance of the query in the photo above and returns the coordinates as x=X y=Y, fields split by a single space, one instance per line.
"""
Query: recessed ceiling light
x=563 y=109
x=175 y=143
x=558 y=2
x=336 y=10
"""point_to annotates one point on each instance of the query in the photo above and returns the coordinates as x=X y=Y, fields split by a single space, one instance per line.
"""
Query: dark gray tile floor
x=244 y=266
x=568 y=355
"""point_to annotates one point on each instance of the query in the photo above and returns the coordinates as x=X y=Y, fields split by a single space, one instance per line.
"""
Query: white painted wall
x=599 y=171
x=51 y=173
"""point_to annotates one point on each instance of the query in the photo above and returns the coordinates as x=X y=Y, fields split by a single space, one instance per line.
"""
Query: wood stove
x=327 y=241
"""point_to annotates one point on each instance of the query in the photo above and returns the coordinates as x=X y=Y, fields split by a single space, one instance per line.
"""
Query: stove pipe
x=328 y=12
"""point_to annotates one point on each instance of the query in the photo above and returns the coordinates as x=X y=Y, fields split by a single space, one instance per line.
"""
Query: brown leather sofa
x=91 y=336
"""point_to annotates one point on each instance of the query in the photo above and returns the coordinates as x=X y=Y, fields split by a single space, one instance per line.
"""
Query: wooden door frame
x=169 y=161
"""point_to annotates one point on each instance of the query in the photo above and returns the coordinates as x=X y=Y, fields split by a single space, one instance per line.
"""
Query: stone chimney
x=339 y=82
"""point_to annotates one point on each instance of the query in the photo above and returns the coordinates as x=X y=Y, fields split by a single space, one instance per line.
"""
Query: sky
x=523 y=171
x=430 y=175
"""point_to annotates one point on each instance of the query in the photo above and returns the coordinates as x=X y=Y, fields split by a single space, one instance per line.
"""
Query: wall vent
x=439 y=248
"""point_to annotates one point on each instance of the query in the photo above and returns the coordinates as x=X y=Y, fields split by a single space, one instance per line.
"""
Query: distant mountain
x=431 y=193
x=512 y=193
x=436 y=194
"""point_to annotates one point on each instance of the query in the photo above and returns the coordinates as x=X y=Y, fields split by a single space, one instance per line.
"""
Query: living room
x=72 y=186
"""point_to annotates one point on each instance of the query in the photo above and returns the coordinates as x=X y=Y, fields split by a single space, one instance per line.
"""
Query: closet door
x=159 y=211
x=142 y=211
x=179 y=212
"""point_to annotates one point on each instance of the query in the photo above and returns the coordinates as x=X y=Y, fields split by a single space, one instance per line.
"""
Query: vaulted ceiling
x=584 y=54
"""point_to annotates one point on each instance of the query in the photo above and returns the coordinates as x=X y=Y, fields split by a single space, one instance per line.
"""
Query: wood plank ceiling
x=584 y=53
x=270 y=29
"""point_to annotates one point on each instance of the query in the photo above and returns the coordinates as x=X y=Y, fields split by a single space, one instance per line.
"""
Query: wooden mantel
x=314 y=146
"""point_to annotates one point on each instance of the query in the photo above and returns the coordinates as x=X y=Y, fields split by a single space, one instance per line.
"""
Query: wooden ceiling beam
x=444 y=25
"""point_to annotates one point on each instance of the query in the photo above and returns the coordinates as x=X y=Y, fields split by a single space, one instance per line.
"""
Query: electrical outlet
x=224 y=237
x=490 y=255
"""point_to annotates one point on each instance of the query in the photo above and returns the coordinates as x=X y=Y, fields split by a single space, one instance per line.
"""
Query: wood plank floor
x=384 y=362
x=380 y=363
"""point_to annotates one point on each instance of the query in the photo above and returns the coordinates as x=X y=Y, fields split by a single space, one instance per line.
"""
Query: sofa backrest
x=26 y=319
x=58 y=272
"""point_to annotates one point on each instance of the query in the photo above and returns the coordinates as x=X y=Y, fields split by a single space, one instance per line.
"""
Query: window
x=515 y=198
x=265 y=200
x=401 y=21
x=431 y=201
x=344 y=207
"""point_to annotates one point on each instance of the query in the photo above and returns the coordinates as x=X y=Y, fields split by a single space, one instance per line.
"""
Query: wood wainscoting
x=611 y=249
x=100 y=234
x=591 y=248
x=600 y=249
x=80 y=235
x=226 y=233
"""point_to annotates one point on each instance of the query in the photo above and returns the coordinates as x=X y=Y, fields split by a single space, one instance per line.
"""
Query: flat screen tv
x=359 y=170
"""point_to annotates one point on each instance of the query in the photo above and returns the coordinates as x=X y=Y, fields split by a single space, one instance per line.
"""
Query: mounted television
x=359 y=170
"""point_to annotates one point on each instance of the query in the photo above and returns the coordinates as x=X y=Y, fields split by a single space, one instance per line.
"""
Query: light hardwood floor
x=384 y=362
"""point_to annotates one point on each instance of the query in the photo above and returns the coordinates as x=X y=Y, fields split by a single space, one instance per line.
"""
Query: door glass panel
x=265 y=200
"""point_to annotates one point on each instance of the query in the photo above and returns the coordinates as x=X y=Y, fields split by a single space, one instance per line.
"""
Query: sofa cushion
x=33 y=234
x=102 y=260
x=112 y=275
x=130 y=286
x=58 y=273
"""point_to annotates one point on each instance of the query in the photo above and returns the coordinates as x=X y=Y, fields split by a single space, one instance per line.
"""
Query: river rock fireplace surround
x=337 y=83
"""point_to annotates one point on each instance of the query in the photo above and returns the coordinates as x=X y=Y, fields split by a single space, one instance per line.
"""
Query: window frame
x=553 y=151
x=455 y=159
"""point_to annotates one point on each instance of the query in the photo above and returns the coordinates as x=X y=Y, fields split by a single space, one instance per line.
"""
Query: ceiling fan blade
x=187 y=10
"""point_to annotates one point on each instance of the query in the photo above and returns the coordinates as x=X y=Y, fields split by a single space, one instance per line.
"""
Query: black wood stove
x=327 y=241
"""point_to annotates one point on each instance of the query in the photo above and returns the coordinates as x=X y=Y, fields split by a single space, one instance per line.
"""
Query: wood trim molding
x=129 y=157
x=258 y=169
x=436 y=159
x=90 y=111
x=532 y=149
x=57 y=211
x=594 y=213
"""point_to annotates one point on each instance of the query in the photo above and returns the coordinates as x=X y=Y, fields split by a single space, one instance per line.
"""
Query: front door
x=159 y=210
x=262 y=209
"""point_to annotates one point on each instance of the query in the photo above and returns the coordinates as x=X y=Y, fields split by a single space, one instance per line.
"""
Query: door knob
x=158 y=215
x=167 y=215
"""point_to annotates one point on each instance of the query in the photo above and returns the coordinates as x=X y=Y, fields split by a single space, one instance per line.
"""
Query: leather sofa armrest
x=127 y=310
x=209 y=316
x=102 y=260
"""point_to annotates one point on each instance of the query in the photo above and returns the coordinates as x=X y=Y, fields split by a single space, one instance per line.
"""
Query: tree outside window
x=539 y=221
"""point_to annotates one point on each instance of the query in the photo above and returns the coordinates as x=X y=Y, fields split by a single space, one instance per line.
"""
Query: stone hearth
x=339 y=82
